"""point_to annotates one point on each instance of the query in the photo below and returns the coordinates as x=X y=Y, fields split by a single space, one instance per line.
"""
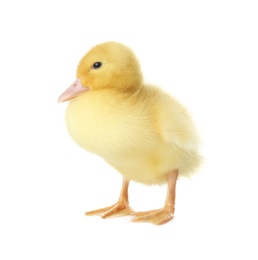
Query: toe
x=157 y=217
x=98 y=212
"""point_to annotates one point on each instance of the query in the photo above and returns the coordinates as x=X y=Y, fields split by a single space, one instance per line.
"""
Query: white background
x=202 y=52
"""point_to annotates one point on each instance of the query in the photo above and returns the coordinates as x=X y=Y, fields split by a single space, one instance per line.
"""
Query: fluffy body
x=143 y=134
x=137 y=128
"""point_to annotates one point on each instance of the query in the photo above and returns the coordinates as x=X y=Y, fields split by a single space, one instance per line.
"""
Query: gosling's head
x=110 y=65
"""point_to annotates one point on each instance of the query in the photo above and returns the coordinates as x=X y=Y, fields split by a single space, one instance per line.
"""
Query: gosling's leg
x=165 y=214
x=121 y=208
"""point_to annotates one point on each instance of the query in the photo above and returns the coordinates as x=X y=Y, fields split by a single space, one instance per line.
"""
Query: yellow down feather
x=137 y=128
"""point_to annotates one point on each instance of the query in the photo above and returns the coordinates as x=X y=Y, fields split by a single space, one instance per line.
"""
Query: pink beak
x=73 y=91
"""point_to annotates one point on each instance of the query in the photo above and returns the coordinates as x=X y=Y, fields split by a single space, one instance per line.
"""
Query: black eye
x=96 y=65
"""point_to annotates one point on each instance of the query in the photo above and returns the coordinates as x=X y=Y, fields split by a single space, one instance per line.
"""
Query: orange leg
x=166 y=213
x=121 y=208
